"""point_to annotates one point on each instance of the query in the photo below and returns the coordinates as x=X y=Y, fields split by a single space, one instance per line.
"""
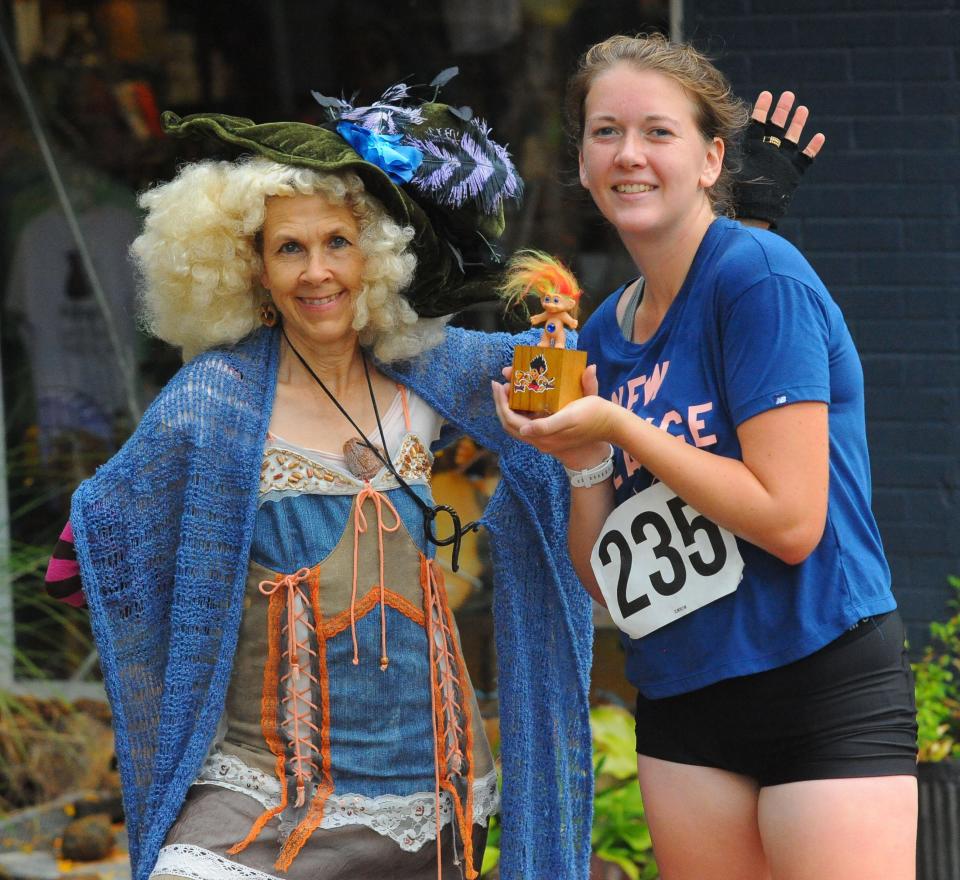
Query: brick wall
x=878 y=218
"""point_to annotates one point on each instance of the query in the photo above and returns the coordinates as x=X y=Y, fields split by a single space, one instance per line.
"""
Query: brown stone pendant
x=361 y=460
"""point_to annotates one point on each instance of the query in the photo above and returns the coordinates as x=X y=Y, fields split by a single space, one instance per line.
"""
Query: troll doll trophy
x=546 y=376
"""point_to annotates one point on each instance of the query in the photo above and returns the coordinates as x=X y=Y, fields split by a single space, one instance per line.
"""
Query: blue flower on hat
x=382 y=150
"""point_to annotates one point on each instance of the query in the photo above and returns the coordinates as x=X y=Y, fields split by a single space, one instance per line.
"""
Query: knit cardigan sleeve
x=162 y=535
x=543 y=622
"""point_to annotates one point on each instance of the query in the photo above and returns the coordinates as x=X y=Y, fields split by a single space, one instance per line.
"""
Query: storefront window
x=98 y=72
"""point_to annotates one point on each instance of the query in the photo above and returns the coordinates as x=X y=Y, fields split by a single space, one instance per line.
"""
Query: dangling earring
x=268 y=313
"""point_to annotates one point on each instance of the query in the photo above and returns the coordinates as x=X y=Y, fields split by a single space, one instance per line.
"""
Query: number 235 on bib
x=658 y=560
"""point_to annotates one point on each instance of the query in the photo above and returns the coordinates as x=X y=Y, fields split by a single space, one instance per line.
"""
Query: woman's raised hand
x=778 y=120
x=772 y=160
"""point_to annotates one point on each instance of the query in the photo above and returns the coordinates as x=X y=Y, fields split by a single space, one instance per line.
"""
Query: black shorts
x=847 y=710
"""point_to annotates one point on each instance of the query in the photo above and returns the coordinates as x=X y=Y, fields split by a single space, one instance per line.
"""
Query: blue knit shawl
x=163 y=536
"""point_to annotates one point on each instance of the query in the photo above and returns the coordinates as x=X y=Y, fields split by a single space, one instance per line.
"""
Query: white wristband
x=591 y=476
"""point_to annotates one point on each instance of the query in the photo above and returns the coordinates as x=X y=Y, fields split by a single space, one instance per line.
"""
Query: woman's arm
x=776 y=497
x=62 y=579
x=589 y=509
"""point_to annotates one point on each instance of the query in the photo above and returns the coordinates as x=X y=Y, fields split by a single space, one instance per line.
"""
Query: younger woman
x=723 y=435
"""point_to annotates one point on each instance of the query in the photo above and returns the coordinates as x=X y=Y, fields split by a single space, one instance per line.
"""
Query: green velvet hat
x=434 y=168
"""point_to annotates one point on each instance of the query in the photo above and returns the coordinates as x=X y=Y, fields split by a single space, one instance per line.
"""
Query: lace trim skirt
x=219 y=817
x=408 y=820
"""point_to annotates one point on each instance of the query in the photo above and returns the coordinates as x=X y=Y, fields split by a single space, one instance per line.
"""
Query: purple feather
x=443 y=166
x=512 y=186
x=460 y=167
x=383 y=118
x=472 y=185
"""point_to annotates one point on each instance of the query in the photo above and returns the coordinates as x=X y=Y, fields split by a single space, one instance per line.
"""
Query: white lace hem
x=408 y=820
x=196 y=863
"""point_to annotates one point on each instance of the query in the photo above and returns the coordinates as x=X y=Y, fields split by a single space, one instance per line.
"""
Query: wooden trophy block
x=545 y=379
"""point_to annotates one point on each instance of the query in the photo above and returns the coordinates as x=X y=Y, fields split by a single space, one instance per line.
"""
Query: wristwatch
x=591 y=476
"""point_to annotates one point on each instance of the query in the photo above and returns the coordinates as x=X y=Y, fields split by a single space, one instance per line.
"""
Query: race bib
x=658 y=560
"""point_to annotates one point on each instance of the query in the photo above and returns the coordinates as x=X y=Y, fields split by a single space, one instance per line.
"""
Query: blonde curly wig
x=200 y=264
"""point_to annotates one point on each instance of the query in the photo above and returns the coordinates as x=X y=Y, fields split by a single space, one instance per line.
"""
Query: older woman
x=288 y=690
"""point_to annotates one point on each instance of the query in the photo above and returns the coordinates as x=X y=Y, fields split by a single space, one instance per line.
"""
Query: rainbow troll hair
x=534 y=272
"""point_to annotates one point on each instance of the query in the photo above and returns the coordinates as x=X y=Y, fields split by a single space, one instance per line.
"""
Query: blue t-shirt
x=752 y=328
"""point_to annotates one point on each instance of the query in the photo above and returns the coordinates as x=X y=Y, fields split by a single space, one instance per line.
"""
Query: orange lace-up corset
x=350 y=678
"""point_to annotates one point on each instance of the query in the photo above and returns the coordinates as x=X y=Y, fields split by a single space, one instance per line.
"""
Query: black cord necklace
x=430 y=514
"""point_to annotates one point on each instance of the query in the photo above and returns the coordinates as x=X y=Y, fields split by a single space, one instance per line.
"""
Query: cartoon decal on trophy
x=546 y=376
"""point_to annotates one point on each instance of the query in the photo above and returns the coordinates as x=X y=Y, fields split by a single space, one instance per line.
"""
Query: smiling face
x=643 y=157
x=312 y=266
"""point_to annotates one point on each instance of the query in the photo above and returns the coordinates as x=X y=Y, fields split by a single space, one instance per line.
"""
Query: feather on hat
x=434 y=167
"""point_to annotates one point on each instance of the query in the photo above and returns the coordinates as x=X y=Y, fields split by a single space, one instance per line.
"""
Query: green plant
x=620 y=834
x=51 y=639
x=937 y=680
x=491 y=854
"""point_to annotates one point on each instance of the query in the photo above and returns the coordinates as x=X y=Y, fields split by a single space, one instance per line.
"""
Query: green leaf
x=629 y=867
x=491 y=858
x=614 y=741
x=638 y=837
x=936 y=686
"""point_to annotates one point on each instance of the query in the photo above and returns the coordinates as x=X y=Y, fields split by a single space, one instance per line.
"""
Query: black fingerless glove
x=770 y=173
